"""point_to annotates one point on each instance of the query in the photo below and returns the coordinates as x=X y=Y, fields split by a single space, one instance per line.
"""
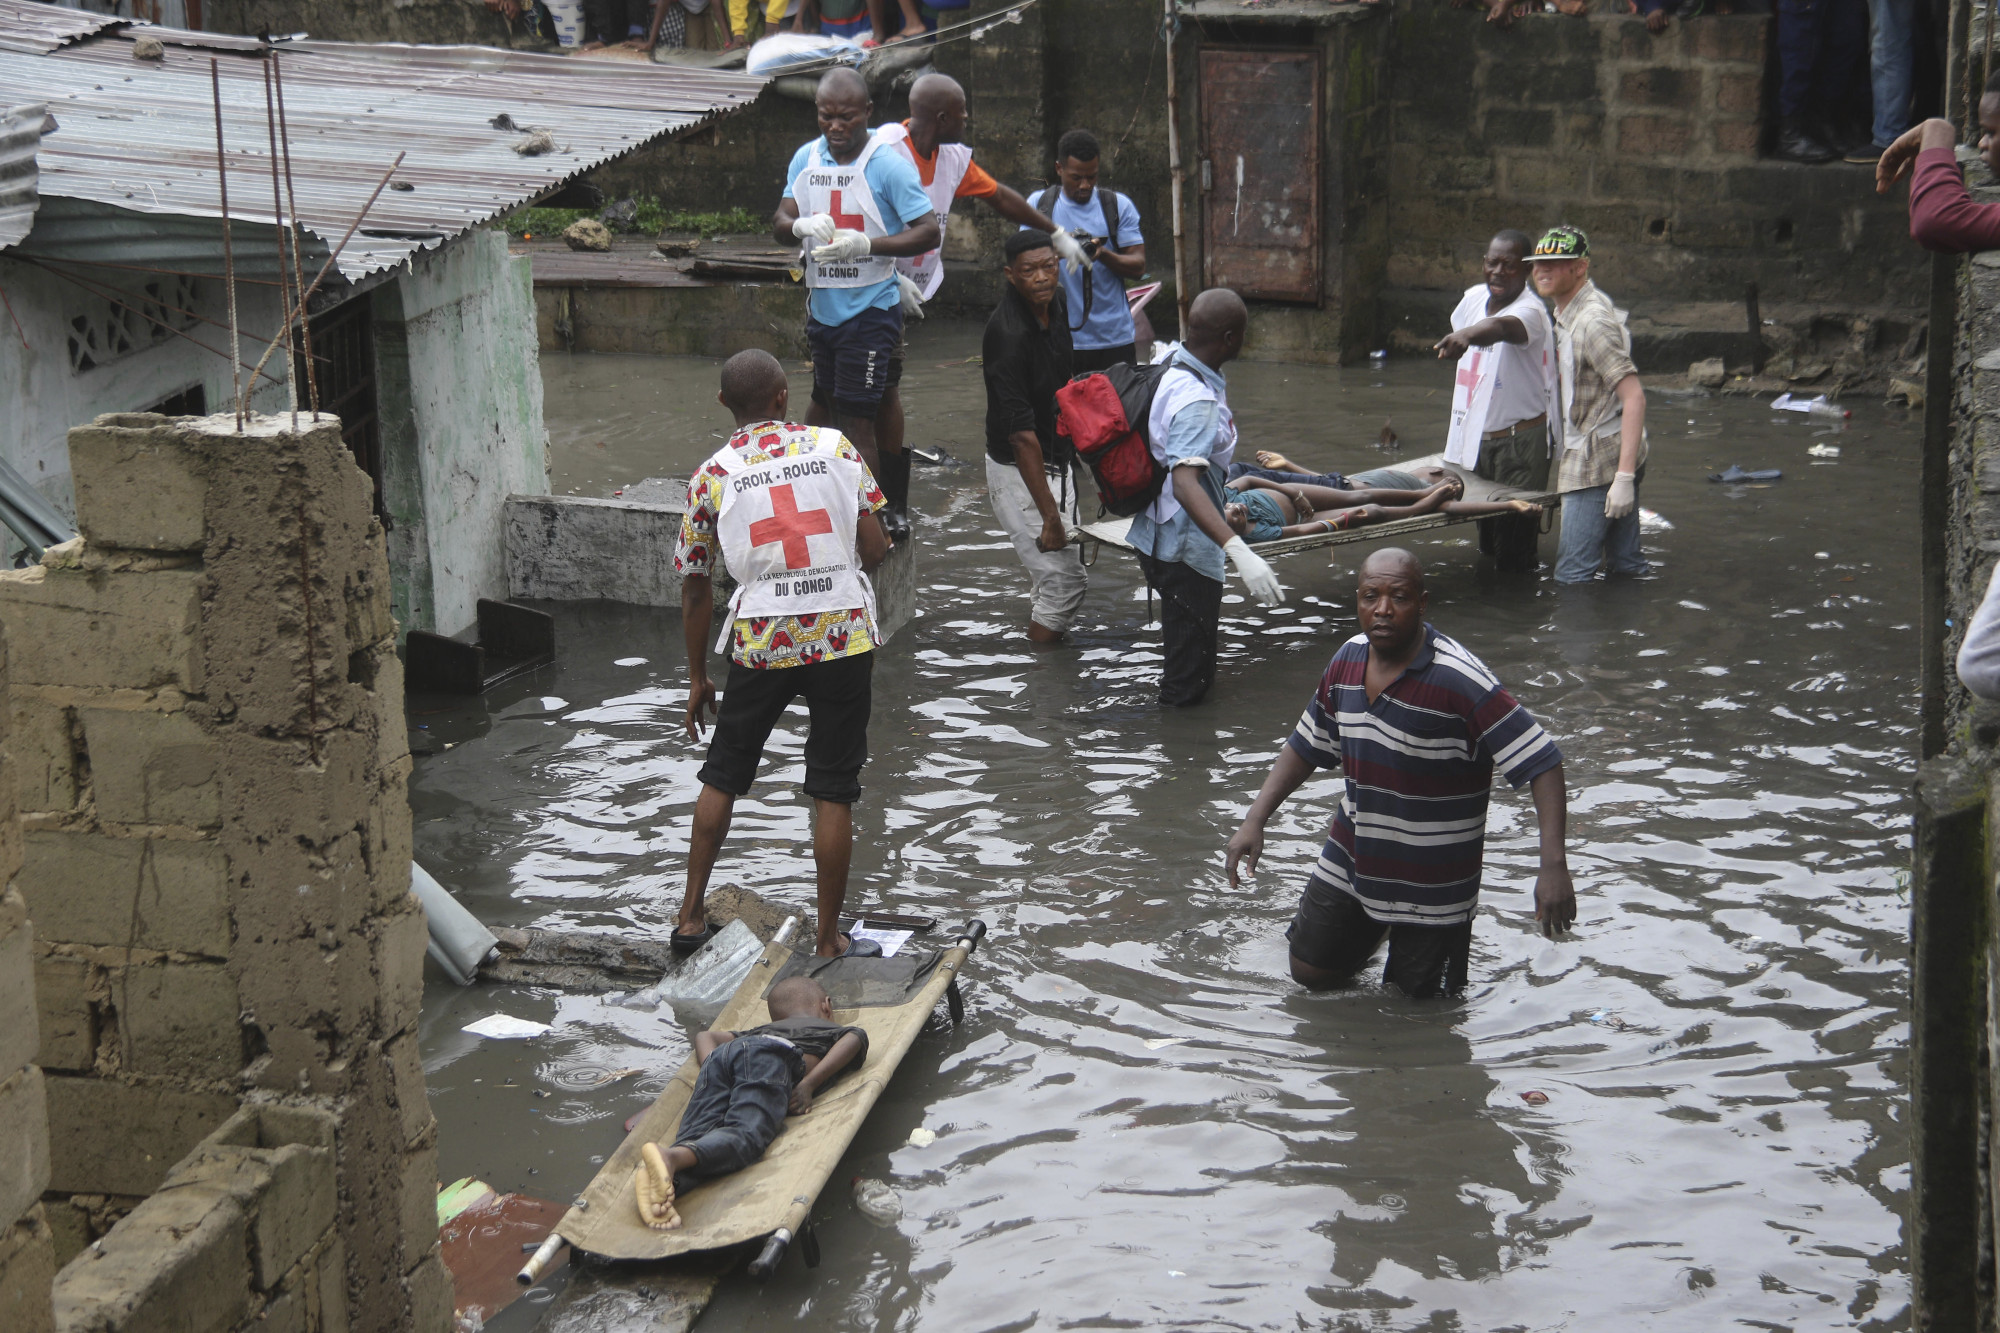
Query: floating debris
x=503 y=1027
x=877 y=1202
x=1535 y=1098
x=1824 y=451
x=922 y=1138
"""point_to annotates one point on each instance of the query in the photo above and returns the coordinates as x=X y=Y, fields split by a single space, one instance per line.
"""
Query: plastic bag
x=698 y=988
x=785 y=49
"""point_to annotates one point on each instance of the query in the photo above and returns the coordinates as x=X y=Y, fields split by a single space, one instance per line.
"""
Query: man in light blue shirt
x=1105 y=336
x=1182 y=538
x=855 y=210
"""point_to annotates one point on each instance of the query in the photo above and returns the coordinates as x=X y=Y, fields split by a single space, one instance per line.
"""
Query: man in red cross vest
x=791 y=510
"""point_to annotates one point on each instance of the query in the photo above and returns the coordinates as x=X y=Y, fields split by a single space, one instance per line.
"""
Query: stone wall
x=426 y=22
x=206 y=729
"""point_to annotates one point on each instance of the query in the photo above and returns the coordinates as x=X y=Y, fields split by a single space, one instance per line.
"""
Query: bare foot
x=1524 y=506
x=911 y=33
x=1276 y=462
x=592 y=45
x=654 y=1185
x=1576 y=9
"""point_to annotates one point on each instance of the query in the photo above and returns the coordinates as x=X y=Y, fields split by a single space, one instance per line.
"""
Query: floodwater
x=1143 y=1123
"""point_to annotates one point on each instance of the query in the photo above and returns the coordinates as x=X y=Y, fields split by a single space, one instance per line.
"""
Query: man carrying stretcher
x=749 y=1082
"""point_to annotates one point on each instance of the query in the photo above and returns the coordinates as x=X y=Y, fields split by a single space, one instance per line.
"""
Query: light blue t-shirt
x=1190 y=435
x=1110 y=322
x=899 y=197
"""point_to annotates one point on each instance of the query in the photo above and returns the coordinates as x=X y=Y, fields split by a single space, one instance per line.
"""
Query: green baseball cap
x=1564 y=242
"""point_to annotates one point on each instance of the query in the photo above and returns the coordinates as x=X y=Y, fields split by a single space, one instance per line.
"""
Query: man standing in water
x=1602 y=407
x=856 y=210
x=1182 y=537
x=793 y=509
x=1417 y=725
x=1500 y=399
x=933 y=141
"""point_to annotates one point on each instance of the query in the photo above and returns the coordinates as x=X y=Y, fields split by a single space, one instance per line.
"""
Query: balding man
x=933 y=141
x=1182 y=536
x=854 y=209
x=1417 y=725
x=793 y=510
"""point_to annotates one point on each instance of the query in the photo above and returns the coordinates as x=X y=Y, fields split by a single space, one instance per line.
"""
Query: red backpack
x=1104 y=415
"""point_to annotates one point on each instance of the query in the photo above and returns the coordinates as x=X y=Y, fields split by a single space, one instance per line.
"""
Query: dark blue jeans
x=738 y=1106
x=1331 y=479
x=1822 y=54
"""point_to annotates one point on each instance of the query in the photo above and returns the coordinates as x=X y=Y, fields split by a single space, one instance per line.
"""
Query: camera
x=1091 y=244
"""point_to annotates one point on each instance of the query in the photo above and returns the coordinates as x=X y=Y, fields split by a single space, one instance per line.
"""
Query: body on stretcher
x=1112 y=531
x=771 y=1198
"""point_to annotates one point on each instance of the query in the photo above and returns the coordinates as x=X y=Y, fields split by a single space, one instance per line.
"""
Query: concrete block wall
x=27 y=1246
x=216 y=840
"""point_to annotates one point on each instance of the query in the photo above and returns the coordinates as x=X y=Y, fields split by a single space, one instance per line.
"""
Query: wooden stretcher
x=1111 y=531
x=772 y=1198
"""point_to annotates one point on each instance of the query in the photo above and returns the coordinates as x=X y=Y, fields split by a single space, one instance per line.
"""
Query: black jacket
x=1024 y=365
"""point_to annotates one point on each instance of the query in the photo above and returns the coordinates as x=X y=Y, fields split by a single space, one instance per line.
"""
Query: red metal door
x=1260 y=172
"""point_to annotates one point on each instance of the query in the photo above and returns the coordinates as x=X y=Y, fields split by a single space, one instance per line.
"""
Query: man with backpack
x=1181 y=537
x=1025 y=359
x=1107 y=225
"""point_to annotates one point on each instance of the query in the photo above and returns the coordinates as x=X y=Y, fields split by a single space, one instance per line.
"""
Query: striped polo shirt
x=1410 y=833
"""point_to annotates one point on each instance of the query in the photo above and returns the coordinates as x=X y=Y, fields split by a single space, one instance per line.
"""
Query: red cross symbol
x=790 y=525
x=848 y=221
x=1468 y=378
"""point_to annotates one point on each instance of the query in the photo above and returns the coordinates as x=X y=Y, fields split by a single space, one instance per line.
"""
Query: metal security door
x=1260 y=172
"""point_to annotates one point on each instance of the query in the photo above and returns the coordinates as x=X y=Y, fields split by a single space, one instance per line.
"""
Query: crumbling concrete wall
x=459 y=391
x=27 y=1247
x=206 y=723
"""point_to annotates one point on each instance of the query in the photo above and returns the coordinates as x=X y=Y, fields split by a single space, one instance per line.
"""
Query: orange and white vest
x=953 y=161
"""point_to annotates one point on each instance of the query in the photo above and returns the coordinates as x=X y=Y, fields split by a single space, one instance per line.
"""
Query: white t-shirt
x=1526 y=371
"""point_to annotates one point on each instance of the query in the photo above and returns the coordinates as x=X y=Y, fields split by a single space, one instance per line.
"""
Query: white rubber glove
x=1255 y=571
x=1068 y=250
x=912 y=297
x=1624 y=493
x=815 y=227
x=845 y=247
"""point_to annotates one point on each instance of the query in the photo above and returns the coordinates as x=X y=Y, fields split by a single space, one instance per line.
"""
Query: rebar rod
x=298 y=267
x=278 y=223
x=228 y=251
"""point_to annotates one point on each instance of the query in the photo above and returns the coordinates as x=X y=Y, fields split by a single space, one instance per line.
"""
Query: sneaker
x=1796 y=144
x=1865 y=156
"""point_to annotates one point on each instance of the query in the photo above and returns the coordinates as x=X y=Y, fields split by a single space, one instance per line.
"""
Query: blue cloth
x=738 y=1105
x=1332 y=480
x=1190 y=435
x=1110 y=322
x=1590 y=540
x=1822 y=47
x=900 y=197
x=1267 y=520
x=1892 y=57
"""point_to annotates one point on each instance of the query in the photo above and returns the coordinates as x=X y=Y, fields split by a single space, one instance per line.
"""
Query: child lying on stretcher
x=747 y=1084
x=1267 y=511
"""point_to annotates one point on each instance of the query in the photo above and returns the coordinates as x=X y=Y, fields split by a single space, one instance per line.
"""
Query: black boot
x=1796 y=143
x=895 y=481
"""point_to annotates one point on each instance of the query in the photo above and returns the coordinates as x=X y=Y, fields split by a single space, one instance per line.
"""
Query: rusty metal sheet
x=1260 y=115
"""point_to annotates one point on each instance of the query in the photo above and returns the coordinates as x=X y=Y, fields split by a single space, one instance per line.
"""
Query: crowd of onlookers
x=644 y=24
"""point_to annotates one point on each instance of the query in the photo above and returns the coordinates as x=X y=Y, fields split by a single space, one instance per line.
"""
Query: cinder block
x=1739 y=94
x=1654 y=136
x=333 y=1300
x=177 y=1264
x=67 y=1013
x=369 y=619
x=1737 y=138
x=295 y=1212
x=406 y=1078
x=139 y=487
x=151 y=768
x=1739 y=37
x=179 y=1018
x=288 y=1312
x=431 y=1294
x=24 y=1141
x=19 y=1037
x=147 y=893
x=27 y=1272
x=400 y=943
x=107 y=1137
x=43 y=750
x=419 y=1200
x=1660 y=86
x=102 y=630
x=1520 y=129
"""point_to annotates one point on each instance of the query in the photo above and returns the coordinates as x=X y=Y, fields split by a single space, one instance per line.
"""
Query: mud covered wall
x=207 y=734
x=459 y=389
x=425 y=22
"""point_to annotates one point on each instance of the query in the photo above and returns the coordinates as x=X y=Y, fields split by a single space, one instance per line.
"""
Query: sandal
x=683 y=945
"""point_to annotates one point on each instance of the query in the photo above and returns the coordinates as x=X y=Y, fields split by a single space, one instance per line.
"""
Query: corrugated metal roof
x=35 y=29
x=20 y=135
x=140 y=134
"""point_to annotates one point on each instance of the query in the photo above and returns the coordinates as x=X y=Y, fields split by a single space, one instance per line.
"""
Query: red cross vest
x=953 y=161
x=842 y=192
x=787 y=531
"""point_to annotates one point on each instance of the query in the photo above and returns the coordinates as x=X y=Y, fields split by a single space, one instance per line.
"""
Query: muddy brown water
x=1143 y=1123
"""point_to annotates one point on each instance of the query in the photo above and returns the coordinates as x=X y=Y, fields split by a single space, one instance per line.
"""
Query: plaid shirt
x=1591 y=337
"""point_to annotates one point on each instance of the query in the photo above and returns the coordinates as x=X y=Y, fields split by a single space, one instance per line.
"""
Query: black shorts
x=855 y=363
x=837 y=698
x=1334 y=933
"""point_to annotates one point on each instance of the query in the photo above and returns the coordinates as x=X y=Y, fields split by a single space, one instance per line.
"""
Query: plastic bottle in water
x=1378 y=359
x=877 y=1202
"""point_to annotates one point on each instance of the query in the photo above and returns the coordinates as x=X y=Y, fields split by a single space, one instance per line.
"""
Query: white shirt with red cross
x=787 y=532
